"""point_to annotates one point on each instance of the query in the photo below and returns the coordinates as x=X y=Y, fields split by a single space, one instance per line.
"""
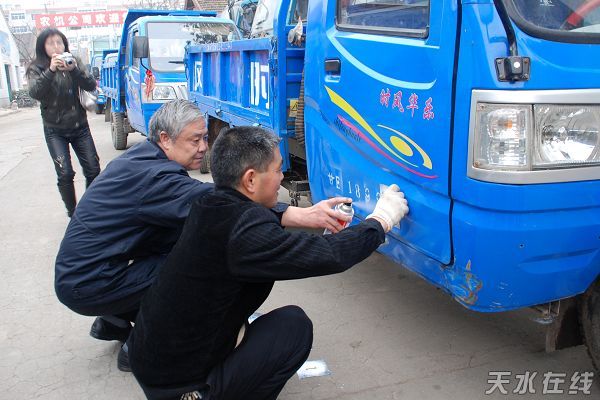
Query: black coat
x=135 y=209
x=220 y=271
x=58 y=94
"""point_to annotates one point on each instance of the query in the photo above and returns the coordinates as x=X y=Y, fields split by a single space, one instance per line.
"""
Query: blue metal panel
x=509 y=260
x=251 y=81
x=385 y=118
x=226 y=81
x=525 y=244
x=492 y=246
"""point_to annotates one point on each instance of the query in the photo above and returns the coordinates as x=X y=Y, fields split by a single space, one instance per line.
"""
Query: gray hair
x=237 y=150
x=172 y=117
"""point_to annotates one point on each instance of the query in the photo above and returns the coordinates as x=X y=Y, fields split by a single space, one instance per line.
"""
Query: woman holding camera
x=55 y=80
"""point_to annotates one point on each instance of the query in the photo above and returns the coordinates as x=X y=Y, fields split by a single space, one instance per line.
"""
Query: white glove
x=391 y=207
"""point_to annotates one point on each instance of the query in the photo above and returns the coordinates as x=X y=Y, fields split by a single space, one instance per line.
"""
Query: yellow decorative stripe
x=343 y=104
x=426 y=160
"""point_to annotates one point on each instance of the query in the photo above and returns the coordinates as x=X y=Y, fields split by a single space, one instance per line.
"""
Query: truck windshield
x=263 y=18
x=241 y=12
x=299 y=11
x=560 y=20
x=167 y=41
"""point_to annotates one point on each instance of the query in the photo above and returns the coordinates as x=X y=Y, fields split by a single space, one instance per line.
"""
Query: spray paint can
x=346 y=209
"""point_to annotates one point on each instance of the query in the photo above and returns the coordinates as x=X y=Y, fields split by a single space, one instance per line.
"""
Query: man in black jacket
x=191 y=338
x=128 y=221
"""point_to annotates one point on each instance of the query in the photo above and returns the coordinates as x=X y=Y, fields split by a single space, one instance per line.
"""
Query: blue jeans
x=58 y=141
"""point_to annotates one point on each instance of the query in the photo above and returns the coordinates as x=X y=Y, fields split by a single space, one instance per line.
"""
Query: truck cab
x=241 y=12
x=149 y=69
x=485 y=113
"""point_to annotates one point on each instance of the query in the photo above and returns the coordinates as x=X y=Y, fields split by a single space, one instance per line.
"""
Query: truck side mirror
x=96 y=72
x=140 y=47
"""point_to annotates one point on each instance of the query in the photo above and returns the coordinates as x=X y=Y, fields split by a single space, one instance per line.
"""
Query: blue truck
x=147 y=70
x=95 y=67
x=486 y=113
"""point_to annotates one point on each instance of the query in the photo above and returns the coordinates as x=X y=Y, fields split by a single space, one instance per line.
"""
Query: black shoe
x=123 y=360
x=104 y=330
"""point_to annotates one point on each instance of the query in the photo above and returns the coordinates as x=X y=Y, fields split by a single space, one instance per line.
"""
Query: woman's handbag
x=87 y=99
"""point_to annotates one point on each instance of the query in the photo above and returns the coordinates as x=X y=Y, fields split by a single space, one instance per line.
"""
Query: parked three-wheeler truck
x=95 y=67
x=486 y=113
x=148 y=69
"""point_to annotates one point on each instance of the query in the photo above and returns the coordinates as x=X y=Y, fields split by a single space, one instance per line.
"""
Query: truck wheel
x=99 y=108
x=117 y=128
x=205 y=165
x=589 y=314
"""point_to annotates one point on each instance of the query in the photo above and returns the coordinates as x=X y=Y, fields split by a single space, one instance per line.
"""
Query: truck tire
x=117 y=128
x=205 y=165
x=299 y=123
x=589 y=314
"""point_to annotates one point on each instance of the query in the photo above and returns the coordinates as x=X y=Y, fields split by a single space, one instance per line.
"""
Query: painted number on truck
x=197 y=76
x=259 y=89
x=356 y=190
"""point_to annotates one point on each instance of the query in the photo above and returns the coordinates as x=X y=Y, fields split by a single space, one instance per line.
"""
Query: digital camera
x=66 y=57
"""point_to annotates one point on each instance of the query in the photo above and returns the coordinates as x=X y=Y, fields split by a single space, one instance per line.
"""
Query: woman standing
x=56 y=83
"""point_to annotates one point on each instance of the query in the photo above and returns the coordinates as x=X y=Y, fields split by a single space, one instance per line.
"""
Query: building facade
x=11 y=76
x=208 y=5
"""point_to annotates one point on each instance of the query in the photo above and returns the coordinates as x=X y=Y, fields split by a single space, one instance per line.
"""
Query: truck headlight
x=566 y=135
x=501 y=136
x=163 y=93
x=534 y=136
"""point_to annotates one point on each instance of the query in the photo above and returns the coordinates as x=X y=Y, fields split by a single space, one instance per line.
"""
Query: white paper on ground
x=253 y=317
x=313 y=368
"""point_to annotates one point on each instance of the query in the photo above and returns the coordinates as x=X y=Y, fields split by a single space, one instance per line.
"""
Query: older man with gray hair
x=131 y=216
x=191 y=339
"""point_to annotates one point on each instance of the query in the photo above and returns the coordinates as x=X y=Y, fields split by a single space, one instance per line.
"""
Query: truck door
x=378 y=110
x=133 y=85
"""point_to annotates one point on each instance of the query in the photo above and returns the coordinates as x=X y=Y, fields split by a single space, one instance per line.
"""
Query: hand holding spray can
x=346 y=209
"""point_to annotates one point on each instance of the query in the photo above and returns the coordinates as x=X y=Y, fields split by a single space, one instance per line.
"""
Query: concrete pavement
x=383 y=332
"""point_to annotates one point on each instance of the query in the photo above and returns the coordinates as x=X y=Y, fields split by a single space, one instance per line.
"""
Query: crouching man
x=191 y=339
x=130 y=218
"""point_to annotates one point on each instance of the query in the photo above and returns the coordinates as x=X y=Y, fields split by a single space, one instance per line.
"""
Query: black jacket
x=58 y=94
x=220 y=271
x=135 y=209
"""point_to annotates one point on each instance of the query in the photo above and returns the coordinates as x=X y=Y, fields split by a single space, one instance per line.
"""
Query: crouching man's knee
x=297 y=325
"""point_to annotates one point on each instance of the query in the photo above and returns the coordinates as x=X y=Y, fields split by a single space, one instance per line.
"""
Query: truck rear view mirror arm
x=140 y=47
x=513 y=68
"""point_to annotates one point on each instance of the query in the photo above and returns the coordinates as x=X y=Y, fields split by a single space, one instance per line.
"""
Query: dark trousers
x=273 y=349
x=58 y=141
x=126 y=304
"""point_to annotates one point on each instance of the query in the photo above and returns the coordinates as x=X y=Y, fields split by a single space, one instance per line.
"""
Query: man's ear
x=248 y=181
x=165 y=140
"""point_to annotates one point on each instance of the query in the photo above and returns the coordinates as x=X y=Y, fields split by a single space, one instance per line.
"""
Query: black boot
x=67 y=192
